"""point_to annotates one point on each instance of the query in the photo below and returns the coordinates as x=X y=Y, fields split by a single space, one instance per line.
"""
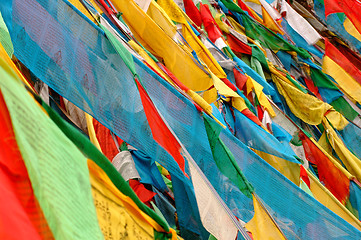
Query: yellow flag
x=193 y=95
x=162 y=19
x=261 y=225
x=352 y=163
x=350 y=28
x=222 y=25
x=269 y=22
x=91 y=131
x=289 y=169
x=200 y=101
x=119 y=217
x=176 y=59
x=202 y=52
x=223 y=90
x=323 y=142
x=252 y=84
x=177 y=15
x=306 y=107
x=236 y=26
x=149 y=60
x=343 y=79
x=254 y=1
x=173 y=10
x=337 y=119
x=115 y=220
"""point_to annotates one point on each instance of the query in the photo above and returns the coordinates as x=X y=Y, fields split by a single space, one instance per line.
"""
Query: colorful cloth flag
x=349 y=7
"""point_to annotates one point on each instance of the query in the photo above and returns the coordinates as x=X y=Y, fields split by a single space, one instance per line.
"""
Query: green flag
x=5 y=39
x=321 y=80
x=224 y=159
x=268 y=38
x=342 y=106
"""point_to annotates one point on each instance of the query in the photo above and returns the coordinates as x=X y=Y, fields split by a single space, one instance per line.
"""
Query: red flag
x=260 y=112
x=352 y=9
x=350 y=55
x=21 y=216
x=311 y=86
x=329 y=174
x=240 y=78
x=193 y=12
x=161 y=134
x=244 y=7
x=143 y=194
x=333 y=53
x=237 y=45
x=251 y=116
x=209 y=23
x=331 y=6
x=304 y=176
x=106 y=141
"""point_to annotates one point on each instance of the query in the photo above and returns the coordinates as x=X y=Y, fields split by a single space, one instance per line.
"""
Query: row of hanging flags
x=180 y=119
